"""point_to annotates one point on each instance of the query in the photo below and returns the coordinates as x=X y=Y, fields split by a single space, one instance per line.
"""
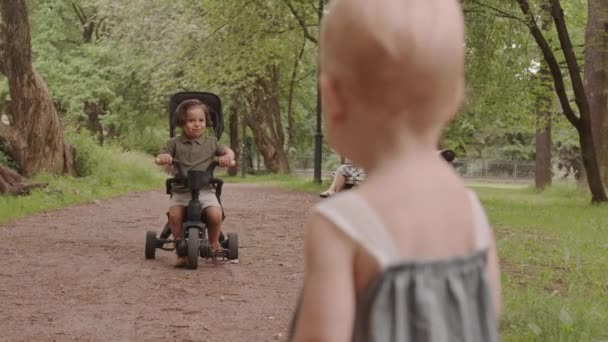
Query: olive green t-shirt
x=196 y=154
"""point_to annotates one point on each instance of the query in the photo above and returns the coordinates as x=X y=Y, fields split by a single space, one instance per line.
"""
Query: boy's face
x=195 y=123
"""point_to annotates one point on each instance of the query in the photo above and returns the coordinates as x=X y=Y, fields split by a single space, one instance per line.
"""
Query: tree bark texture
x=233 y=132
x=14 y=184
x=544 y=110
x=596 y=79
x=94 y=111
x=264 y=120
x=292 y=86
x=35 y=135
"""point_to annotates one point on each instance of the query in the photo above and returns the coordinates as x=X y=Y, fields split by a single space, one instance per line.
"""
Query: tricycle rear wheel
x=233 y=246
x=150 y=244
x=205 y=249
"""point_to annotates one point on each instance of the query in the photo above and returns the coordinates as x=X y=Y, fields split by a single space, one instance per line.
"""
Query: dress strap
x=480 y=220
x=351 y=214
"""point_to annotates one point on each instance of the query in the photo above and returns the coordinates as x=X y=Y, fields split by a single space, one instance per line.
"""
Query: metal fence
x=303 y=165
x=505 y=169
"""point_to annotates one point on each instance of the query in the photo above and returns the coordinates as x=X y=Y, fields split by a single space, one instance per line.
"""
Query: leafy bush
x=149 y=140
x=5 y=159
x=103 y=172
x=110 y=164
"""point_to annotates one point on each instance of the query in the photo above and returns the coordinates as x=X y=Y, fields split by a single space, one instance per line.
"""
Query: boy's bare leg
x=176 y=217
x=214 y=222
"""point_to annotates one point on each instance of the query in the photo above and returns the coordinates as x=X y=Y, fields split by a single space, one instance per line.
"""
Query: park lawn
x=277 y=180
x=553 y=248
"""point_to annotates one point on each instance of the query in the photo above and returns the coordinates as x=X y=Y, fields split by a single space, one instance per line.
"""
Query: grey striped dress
x=426 y=301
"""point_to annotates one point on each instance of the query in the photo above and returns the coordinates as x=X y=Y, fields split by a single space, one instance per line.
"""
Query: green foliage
x=108 y=172
x=109 y=164
x=145 y=50
x=149 y=140
x=149 y=49
x=89 y=155
x=500 y=79
x=215 y=46
x=502 y=74
x=99 y=69
x=5 y=159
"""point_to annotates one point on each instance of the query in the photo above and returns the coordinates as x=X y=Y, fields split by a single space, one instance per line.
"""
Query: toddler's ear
x=333 y=106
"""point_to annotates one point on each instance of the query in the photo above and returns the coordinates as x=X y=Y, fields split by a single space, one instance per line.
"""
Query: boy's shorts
x=206 y=197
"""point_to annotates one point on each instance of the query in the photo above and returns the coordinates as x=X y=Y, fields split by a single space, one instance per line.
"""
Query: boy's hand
x=225 y=161
x=164 y=159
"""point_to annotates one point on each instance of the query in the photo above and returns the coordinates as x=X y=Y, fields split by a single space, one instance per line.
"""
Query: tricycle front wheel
x=194 y=245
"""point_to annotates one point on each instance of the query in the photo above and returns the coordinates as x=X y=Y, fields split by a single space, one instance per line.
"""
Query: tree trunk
x=275 y=159
x=264 y=120
x=10 y=181
x=233 y=131
x=591 y=168
x=583 y=122
x=292 y=86
x=37 y=144
x=14 y=184
x=94 y=111
x=88 y=23
x=543 y=172
x=596 y=79
x=545 y=107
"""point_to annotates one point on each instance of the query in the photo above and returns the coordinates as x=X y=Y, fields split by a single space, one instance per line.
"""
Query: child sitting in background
x=409 y=255
x=341 y=176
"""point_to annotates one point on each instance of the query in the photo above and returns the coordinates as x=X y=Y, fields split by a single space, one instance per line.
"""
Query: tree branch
x=98 y=26
x=498 y=12
x=228 y=22
x=301 y=22
x=306 y=75
x=575 y=71
x=17 y=41
x=286 y=30
x=2 y=50
x=547 y=52
x=79 y=13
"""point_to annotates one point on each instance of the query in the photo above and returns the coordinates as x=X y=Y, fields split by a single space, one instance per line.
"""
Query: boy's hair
x=179 y=118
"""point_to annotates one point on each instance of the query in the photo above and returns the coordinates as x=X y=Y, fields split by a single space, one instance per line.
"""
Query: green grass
x=281 y=181
x=554 y=254
x=116 y=173
x=553 y=248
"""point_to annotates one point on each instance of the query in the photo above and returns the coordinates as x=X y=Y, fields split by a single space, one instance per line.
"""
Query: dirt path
x=79 y=274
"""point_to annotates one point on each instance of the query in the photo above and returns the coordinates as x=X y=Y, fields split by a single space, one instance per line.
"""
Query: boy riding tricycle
x=195 y=213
